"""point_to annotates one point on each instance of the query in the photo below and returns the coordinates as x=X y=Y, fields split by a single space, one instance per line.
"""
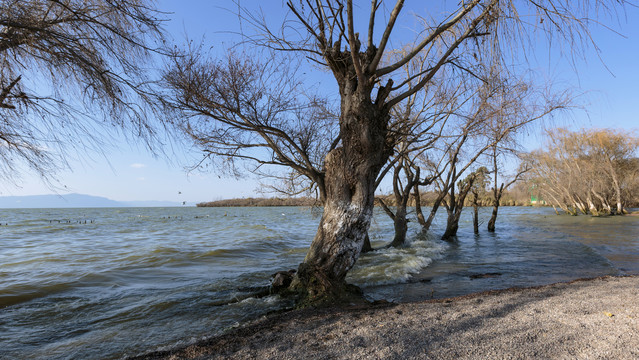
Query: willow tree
x=589 y=171
x=223 y=96
x=68 y=71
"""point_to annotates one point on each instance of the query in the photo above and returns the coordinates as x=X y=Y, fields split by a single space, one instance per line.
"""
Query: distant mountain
x=73 y=201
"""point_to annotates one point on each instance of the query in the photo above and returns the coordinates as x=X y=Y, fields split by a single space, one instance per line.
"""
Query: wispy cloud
x=141 y=179
x=137 y=166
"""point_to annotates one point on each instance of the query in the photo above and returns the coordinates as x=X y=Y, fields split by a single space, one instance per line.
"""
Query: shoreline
x=583 y=318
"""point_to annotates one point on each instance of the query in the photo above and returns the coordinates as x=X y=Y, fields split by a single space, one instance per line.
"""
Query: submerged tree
x=68 y=71
x=492 y=114
x=477 y=191
x=417 y=124
x=454 y=201
x=498 y=190
x=401 y=192
x=234 y=99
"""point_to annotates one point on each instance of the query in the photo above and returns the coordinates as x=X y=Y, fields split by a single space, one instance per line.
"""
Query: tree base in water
x=311 y=288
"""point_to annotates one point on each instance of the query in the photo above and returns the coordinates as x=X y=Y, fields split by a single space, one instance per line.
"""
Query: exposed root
x=312 y=288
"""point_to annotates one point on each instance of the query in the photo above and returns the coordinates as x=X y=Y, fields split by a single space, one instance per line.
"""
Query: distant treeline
x=304 y=201
x=518 y=196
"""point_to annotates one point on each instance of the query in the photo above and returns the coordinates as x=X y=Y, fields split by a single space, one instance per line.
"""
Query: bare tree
x=369 y=87
x=493 y=114
x=401 y=193
x=417 y=123
x=498 y=190
x=454 y=201
x=68 y=71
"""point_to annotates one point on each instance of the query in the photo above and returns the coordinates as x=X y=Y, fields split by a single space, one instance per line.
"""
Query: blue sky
x=128 y=172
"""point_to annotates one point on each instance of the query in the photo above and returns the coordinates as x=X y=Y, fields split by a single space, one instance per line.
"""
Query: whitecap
x=395 y=265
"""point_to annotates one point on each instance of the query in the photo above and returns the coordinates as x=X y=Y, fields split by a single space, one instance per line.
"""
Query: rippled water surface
x=106 y=283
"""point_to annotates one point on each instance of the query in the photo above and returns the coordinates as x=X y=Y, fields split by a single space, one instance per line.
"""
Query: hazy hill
x=73 y=201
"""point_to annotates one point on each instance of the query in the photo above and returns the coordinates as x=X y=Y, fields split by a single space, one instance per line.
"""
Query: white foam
x=393 y=266
x=265 y=301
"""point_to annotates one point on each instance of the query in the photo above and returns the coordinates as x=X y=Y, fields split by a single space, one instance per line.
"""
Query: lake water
x=107 y=283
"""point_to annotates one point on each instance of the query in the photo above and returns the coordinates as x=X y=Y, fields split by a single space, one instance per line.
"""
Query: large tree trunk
x=496 y=194
x=340 y=235
x=475 y=212
x=351 y=171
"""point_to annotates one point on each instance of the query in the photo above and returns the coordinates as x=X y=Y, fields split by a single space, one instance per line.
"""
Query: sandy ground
x=584 y=319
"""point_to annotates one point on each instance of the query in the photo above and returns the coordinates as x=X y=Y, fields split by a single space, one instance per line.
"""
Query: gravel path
x=584 y=319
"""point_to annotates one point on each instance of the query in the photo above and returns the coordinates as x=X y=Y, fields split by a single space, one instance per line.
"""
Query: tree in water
x=418 y=124
x=71 y=70
x=477 y=191
x=492 y=113
x=498 y=191
x=401 y=194
x=454 y=201
x=240 y=108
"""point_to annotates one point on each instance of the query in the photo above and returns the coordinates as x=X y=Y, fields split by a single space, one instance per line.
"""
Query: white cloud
x=141 y=179
x=137 y=166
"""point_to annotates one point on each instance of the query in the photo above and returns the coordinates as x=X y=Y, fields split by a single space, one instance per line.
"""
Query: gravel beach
x=583 y=319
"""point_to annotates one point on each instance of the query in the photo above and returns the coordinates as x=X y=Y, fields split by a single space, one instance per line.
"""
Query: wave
x=395 y=265
x=17 y=294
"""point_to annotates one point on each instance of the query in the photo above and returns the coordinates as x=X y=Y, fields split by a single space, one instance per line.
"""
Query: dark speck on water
x=134 y=282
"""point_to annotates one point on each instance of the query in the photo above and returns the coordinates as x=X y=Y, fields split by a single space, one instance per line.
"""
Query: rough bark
x=340 y=235
x=351 y=173
x=493 y=217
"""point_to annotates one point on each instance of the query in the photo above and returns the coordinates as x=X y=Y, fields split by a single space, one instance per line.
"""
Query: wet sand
x=583 y=319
